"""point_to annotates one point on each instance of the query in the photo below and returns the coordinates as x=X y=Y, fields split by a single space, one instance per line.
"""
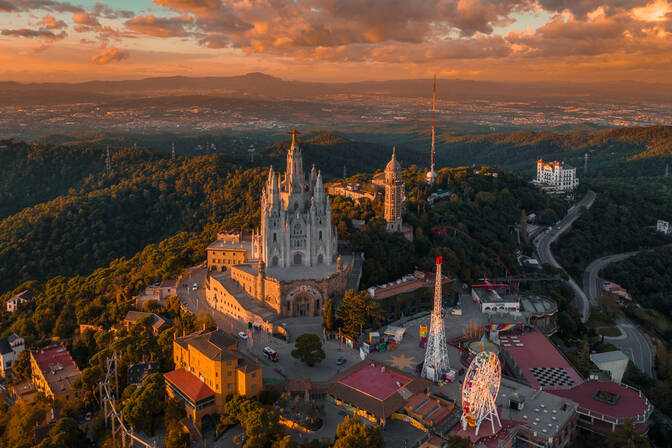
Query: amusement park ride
x=479 y=391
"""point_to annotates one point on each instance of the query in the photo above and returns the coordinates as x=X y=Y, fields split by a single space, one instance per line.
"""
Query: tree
x=174 y=411
x=204 y=321
x=308 y=348
x=351 y=433
x=458 y=442
x=65 y=432
x=21 y=367
x=626 y=437
x=328 y=315
x=356 y=312
x=176 y=438
x=145 y=403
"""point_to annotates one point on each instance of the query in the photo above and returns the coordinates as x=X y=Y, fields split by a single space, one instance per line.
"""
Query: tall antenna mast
x=585 y=164
x=667 y=170
x=431 y=176
x=108 y=162
x=172 y=152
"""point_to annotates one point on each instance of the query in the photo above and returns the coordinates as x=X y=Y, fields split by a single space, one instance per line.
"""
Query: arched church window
x=274 y=261
x=320 y=258
x=297 y=258
x=275 y=237
x=320 y=235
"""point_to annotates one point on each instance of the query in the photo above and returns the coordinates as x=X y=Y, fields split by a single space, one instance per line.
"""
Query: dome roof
x=393 y=164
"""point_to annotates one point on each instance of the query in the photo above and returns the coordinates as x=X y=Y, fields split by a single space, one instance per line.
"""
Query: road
x=593 y=270
x=633 y=342
x=543 y=247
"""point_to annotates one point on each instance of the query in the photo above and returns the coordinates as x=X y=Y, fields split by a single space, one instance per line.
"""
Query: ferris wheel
x=479 y=391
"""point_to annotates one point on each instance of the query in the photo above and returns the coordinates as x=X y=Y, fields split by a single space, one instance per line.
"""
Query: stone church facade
x=291 y=266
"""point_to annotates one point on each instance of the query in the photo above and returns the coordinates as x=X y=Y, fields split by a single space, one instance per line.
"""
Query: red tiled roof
x=189 y=384
x=57 y=366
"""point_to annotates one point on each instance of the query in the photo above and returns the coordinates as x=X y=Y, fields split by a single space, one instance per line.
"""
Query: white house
x=10 y=347
x=19 y=299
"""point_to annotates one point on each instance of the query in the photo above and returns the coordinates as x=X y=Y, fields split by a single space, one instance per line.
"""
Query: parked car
x=194 y=287
x=456 y=311
x=341 y=361
x=271 y=354
x=242 y=335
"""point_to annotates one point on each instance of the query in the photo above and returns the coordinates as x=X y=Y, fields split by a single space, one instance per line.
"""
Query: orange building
x=228 y=250
x=209 y=368
x=54 y=371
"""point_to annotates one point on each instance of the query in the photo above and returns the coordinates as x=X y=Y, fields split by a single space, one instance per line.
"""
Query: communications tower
x=108 y=161
x=431 y=175
x=436 y=357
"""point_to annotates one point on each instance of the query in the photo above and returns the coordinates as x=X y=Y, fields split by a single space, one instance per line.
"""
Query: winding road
x=633 y=342
x=543 y=247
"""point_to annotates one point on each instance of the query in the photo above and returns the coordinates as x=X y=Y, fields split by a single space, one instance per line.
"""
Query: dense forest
x=622 y=218
x=620 y=152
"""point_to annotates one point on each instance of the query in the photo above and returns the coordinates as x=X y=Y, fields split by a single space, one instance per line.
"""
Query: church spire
x=294 y=176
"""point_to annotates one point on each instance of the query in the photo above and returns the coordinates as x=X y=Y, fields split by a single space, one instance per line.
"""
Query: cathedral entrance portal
x=303 y=301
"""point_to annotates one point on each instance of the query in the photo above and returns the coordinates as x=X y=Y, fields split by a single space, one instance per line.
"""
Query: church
x=290 y=265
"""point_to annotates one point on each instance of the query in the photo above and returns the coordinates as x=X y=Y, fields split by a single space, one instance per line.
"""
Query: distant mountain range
x=266 y=86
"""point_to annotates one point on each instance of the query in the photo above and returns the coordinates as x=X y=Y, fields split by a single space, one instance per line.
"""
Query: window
x=254 y=387
x=254 y=374
x=320 y=235
x=320 y=259
x=297 y=258
x=228 y=386
x=275 y=237
x=228 y=373
x=274 y=261
x=216 y=374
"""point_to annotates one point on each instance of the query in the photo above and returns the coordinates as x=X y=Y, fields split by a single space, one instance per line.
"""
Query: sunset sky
x=337 y=40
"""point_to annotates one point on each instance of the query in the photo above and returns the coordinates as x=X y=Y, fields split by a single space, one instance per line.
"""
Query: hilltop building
x=663 y=227
x=19 y=299
x=556 y=177
x=353 y=190
x=10 y=347
x=291 y=266
x=603 y=405
x=209 y=368
x=408 y=295
x=54 y=371
x=394 y=198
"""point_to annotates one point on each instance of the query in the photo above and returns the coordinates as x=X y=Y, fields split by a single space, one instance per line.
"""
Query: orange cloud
x=160 y=26
x=109 y=55
x=49 y=22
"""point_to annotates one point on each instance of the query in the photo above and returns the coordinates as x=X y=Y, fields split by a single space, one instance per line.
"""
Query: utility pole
x=108 y=162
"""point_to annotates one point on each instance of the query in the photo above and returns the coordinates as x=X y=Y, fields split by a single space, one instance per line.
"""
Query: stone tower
x=394 y=194
x=296 y=217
